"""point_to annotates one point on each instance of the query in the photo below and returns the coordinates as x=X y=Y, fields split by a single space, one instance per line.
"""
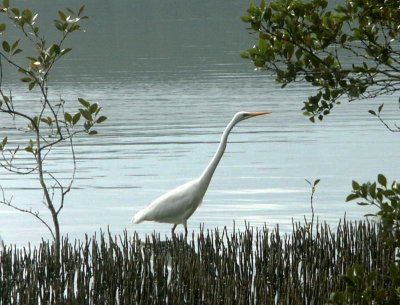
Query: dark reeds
x=256 y=266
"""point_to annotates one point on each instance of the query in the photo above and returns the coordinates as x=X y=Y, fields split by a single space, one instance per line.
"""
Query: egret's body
x=177 y=205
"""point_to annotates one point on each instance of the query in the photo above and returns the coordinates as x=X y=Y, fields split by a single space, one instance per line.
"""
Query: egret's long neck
x=207 y=174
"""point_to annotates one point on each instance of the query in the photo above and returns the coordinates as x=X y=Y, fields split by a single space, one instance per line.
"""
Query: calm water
x=169 y=78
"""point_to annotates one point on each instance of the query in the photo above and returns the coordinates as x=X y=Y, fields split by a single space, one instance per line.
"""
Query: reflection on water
x=166 y=117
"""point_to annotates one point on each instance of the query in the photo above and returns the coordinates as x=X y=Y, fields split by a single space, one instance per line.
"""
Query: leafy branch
x=51 y=124
x=304 y=41
x=360 y=288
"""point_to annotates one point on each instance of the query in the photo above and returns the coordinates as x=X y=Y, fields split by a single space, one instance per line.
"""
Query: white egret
x=177 y=205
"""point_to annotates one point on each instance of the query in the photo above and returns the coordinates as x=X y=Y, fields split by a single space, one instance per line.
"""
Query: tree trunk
x=50 y=206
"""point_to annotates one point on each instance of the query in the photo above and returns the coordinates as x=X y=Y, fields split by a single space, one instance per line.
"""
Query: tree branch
x=30 y=211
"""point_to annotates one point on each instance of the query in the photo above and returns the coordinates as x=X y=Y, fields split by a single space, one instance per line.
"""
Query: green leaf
x=382 y=180
x=76 y=118
x=6 y=3
x=388 y=193
x=97 y=111
x=26 y=79
x=380 y=108
x=6 y=46
x=70 y=11
x=93 y=108
x=343 y=39
x=364 y=189
x=316 y=182
x=83 y=102
x=101 y=119
x=31 y=59
x=4 y=142
x=92 y=132
x=275 y=6
x=17 y=51
x=27 y=14
x=48 y=121
x=67 y=117
x=86 y=114
x=262 y=45
x=58 y=25
x=341 y=9
x=65 y=51
x=81 y=10
x=31 y=85
x=351 y=197
x=372 y=190
x=372 y=112
x=2 y=27
x=56 y=49
x=15 y=44
x=62 y=15
x=15 y=11
x=355 y=185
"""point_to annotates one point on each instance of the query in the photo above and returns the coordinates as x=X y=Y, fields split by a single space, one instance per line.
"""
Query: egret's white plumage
x=177 y=205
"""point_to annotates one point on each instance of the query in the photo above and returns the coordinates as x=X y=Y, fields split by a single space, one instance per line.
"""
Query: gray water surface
x=169 y=78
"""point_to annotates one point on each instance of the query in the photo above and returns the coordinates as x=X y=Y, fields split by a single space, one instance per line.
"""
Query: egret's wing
x=174 y=206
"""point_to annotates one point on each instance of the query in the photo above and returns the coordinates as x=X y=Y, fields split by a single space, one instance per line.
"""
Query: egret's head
x=244 y=115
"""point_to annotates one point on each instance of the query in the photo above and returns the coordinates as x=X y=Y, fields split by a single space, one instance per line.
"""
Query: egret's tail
x=139 y=217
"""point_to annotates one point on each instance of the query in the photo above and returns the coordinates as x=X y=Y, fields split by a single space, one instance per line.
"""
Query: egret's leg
x=173 y=229
x=186 y=231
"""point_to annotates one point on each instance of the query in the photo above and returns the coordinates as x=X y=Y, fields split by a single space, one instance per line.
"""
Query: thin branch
x=68 y=189
x=16 y=65
x=30 y=211
x=14 y=20
x=55 y=58
x=13 y=112
x=46 y=101
x=9 y=166
x=43 y=88
x=387 y=126
x=50 y=144
x=10 y=103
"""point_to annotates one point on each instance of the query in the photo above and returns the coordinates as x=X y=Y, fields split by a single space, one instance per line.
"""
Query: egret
x=177 y=205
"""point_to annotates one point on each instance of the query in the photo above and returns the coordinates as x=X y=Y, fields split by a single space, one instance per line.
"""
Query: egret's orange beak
x=259 y=113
